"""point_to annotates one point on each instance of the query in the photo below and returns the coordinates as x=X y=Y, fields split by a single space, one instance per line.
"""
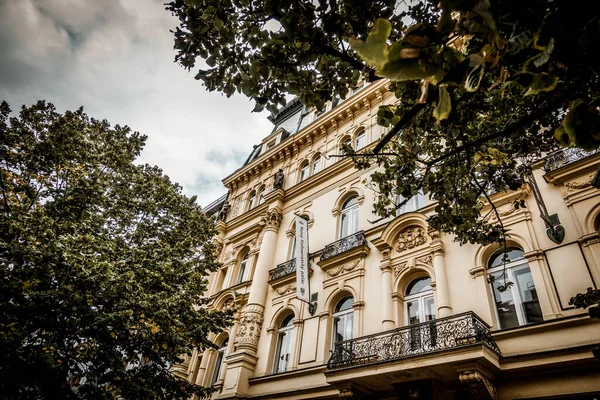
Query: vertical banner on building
x=302 y=287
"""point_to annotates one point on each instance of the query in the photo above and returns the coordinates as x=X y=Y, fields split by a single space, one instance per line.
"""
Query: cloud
x=115 y=58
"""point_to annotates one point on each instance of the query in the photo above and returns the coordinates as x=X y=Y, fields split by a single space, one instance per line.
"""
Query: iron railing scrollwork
x=283 y=269
x=443 y=334
x=349 y=242
x=566 y=156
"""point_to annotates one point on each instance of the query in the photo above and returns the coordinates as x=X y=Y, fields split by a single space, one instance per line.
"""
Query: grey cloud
x=115 y=58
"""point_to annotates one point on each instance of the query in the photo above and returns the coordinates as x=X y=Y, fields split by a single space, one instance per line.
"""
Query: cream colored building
x=402 y=311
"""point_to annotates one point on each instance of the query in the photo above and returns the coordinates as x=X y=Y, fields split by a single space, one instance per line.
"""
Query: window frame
x=284 y=332
x=242 y=269
x=512 y=266
x=251 y=200
x=415 y=203
x=304 y=172
x=349 y=213
x=218 y=364
x=316 y=165
x=346 y=315
x=362 y=135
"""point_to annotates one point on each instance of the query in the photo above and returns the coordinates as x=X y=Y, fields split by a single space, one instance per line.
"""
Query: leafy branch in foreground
x=103 y=263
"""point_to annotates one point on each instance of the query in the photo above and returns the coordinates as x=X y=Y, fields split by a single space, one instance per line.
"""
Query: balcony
x=442 y=335
x=343 y=245
x=283 y=269
x=565 y=157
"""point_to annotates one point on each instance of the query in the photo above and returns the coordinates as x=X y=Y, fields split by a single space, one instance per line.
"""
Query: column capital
x=272 y=219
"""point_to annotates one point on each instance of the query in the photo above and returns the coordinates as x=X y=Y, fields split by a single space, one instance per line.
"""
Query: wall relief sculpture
x=410 y=238
x=249 y=330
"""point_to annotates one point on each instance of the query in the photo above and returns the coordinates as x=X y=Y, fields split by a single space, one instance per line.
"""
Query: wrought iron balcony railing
x=349 y=242
x=440 y=335
x=283 y=269
x=566 y=156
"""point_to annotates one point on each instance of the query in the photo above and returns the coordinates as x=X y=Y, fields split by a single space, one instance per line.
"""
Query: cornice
x=330 y=120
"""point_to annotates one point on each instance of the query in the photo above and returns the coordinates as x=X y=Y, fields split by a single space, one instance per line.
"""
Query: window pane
x=513 y=254
x=344 y=227
x=505 y=304
x=316 y=165
x=429 y=309
x=354 y=223
x=338 y=329
x=360 y=141
x=413 y=312
x=349 y=325
x=418 y=286
x=528 y=294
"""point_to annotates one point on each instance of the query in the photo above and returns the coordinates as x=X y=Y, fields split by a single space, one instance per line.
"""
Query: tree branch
x=403 y=123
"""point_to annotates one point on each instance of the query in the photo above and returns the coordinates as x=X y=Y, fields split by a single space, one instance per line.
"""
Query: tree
x=103 y=263
x=484 y=88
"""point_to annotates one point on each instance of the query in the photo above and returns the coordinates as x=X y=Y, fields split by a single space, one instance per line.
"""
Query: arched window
x=349 y=217
x=242 y=270
x=343 y=320
x=418 y=301
x=343 y=142
x=218 y=366
x=261 y=196
x=284 y=344
x=251 y=201
x=304 y=169
x=316 y=165
x=413 y=204
x=518 y=304
x=360 y=140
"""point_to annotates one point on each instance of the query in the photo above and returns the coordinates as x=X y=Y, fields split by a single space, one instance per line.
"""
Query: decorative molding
x=399 y=268
x=477 y=271
x=492 y=217
x=272 y=219
x=285 y=290
x=573 y=186
x=427 y=260
x=250 y=325
x=344 y=268
x=410 y=237
x=480 y=386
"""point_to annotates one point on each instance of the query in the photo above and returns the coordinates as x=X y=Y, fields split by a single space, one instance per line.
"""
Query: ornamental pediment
x=409 y=238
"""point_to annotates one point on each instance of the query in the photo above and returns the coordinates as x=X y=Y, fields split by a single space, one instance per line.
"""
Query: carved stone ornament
x=224 y=210
x=285 y=290
x=481 y=387
x=229 y=304
x=278 y=181
x=572 y=186
x=228 y=255
x=427 y=260
x=272 y=219
x=249 y=330
x=344 y=268
x=410 y=238
x=399 y=268
x=493 y=217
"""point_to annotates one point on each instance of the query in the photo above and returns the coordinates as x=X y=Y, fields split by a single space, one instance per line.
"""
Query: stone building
x=402 y=311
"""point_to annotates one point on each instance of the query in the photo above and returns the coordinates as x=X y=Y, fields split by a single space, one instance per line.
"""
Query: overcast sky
x=115 y=58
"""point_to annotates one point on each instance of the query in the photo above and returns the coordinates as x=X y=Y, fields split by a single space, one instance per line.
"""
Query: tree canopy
x=103 y=263
x=484 y=88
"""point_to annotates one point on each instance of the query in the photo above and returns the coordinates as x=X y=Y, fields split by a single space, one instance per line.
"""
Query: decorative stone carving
x=399 y=268
x=249 y=329
x=285 y=290
x=344 y=268
x=272 y=219
x=228 y=304
x=479 y=385
x=410 y=238
x=228 y=255
x=572 y=186
x=278 y=181
x=492 y=217
x=427 y=260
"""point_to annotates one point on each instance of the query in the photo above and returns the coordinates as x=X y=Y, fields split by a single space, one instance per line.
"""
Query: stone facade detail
x=286 y=290
x=427 y=260
x=344 y=268
x=399 y=268
x=480 y=386
x=250 y=326
x=272 y=219
x=410 y=238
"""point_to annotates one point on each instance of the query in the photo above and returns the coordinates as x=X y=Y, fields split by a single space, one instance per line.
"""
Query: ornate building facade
x=402 y=311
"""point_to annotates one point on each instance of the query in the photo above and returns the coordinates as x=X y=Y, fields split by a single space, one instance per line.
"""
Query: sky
x=116 y=59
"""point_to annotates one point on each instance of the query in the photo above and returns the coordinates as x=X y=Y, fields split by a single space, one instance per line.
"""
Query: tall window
x=242 y=270
x=284 y=344
x=217 y=370
x=251 y=201
x=349 y=221
x=304 y=172
x=343 y=320
x=316 y=165
x=419 y=301
x=360 y=140
x=419 y=308
x=519 y=304
x=261 y=196
x=345 y=141
x=413 y=204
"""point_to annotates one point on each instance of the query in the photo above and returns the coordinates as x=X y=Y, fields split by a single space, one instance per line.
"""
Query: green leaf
x=444 y=106
x=408 y=70
x=542 y=82
x=374 y=50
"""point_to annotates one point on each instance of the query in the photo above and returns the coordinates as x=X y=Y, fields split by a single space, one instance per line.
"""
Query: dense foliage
x=485 y=87
x=102 y=263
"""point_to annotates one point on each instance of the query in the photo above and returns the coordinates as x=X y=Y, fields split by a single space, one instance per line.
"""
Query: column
x=202 y=368
x=252 y=320
x=441 y=279
x=386 y=293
